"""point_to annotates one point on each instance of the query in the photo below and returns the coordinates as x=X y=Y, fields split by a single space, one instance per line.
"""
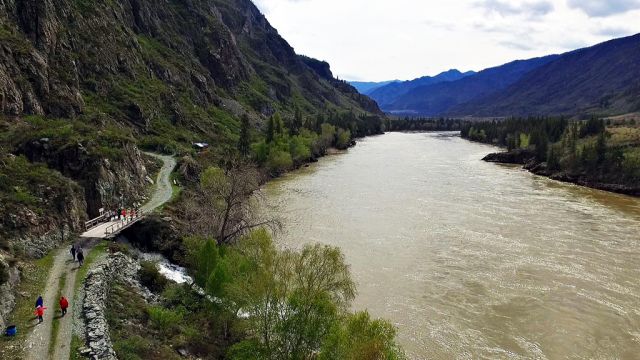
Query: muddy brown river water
x=470 y=259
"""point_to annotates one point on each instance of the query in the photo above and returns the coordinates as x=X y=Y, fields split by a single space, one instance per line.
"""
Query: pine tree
x=278 y=126
x=270 y=130
x=601 y=148
x=244 y=141
x=297 y=122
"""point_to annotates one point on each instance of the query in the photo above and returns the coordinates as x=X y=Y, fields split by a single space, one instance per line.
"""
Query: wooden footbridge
x=110 y=224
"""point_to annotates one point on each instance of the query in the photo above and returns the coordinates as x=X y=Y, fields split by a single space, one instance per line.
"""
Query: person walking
x=73 y=251
x=64 y=304
x=80 y=256
x=40 y=313
x=39 y=301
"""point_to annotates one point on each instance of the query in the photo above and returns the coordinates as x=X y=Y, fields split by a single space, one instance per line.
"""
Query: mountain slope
x=388 y=94
x=604 y=79
x=59 y=55
x=438 y=99
x=367 y=87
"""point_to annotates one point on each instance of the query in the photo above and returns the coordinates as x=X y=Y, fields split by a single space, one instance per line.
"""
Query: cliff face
x=106 y=183
x=58 y=55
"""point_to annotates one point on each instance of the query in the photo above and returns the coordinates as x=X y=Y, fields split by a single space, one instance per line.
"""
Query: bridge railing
x=123 y=223
x=100 y=219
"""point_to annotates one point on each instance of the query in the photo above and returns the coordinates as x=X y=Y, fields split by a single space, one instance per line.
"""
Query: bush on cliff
x=151 y=277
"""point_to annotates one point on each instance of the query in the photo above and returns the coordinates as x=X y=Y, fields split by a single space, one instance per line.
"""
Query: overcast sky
x=404 y=39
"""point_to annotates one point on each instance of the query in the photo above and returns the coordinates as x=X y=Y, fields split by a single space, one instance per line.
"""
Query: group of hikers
x=77 y=253
x=126 y=214
x=40 y=308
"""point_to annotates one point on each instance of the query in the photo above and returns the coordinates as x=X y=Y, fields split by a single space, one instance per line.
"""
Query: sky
x=376 y=40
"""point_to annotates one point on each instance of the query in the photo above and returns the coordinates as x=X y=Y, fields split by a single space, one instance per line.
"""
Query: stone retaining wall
x=99 y=280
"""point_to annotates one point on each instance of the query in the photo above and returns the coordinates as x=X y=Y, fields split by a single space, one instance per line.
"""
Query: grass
x=176 y=189
x=55 y=326
x=34 y=278
x=624 y=135
x=76 y=342
x=90 y=258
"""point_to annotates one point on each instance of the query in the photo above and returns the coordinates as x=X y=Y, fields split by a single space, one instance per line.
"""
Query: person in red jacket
x=40 y=313
x=64 y=304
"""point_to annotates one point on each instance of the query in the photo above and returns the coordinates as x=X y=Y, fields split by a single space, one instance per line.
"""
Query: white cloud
x=508 y=8
x=404 y=39
x=598 y=8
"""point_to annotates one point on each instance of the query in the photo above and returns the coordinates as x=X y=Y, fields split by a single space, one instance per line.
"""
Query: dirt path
x=164 y=190
x=37 y=345
x=62 y=347
x=38 y=342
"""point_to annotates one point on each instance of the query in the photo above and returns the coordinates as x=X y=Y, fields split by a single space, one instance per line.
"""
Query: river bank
x=527 y=159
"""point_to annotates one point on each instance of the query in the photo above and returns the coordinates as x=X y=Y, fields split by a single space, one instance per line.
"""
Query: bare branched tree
x=224 y=206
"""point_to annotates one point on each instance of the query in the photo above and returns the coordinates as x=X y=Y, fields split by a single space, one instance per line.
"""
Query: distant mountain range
x=604 y=78
x=366 y=87
x=387 y=95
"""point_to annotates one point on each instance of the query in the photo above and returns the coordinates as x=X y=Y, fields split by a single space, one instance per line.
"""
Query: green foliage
x=279 y=161
x=593 y=126
x=293 y=298
x=477 y=134
x=585 y=149
x=244 y=142
x=343 y=138
x=631 y=164
x=35 y=186
x=286 y=147
x=151 y=277
x=358 y=337
x=164 y=319
x=524 y=140
x=211 y=268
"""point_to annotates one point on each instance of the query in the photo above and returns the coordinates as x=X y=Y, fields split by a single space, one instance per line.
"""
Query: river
x=471 y=259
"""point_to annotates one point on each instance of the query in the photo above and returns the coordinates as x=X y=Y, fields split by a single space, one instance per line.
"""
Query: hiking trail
x=38 y=342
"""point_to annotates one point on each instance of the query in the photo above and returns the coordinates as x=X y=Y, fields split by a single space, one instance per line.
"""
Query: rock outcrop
x=106 y=183
x=516 y=156
x=9 y=278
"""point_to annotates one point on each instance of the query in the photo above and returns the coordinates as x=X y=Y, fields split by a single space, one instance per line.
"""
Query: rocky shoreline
x=527 y=158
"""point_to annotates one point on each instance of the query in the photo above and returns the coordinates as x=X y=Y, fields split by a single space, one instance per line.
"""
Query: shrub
x=115 y=247
x=164 y=319
x=151 y=277
x=279 y=161
x=343 y=138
